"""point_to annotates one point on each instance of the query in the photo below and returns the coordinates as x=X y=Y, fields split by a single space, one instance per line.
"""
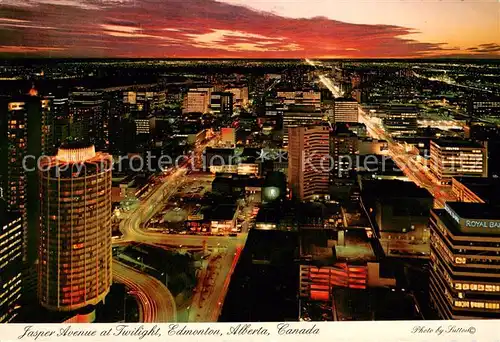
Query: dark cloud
x=194 y=28
x=485 y=48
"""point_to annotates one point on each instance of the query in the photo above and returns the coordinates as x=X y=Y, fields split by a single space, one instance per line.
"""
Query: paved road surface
x=156 y=303
x=132 y=231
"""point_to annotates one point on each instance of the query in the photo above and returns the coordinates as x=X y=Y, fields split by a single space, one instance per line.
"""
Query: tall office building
x=117 y=122
x=240 y=95
x=309 y=161
x=305 y=98
x=196 y=101
x=142 y=126
x=465 y=272
x=299 y=116
x=89 y=118
x=60 y=120
x=75 y=238
x=46 y=122
x=221 y=104
x=22 y=121
x=452 y=158
x=343 y=147
x=345 y=110
x=401 y=121
x=142 y=103
x=11 y=234
x=484 y=108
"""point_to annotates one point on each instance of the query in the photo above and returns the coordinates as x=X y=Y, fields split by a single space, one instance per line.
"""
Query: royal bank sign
x=481 y=223
x=473 y=224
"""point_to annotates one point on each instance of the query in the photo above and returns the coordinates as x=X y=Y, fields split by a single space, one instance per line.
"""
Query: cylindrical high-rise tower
x=75 y=254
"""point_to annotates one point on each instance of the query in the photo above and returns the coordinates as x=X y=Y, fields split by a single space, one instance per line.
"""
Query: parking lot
x=185 y=203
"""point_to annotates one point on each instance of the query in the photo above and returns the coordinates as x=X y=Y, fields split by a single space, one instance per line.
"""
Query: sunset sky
x=253 y=29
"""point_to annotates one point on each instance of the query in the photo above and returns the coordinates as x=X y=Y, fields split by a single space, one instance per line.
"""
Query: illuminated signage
x=16 y=105
x=472 y=224
x=481 y=224
x=452 y=213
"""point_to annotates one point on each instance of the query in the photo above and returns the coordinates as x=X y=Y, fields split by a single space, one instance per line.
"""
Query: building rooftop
x=454 y=227
x=344 y=99
x=393 y=189
x=343 y=128
x=268 y=215
x=480 y=211
x=488 y=189
x=223 y=212
x=302 y=109
x=456 y=143
x=400 y=108
x=324 y=247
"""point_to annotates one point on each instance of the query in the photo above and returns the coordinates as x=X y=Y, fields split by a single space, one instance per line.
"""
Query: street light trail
x=156 y=303
x=415 y=171
x=132 y=231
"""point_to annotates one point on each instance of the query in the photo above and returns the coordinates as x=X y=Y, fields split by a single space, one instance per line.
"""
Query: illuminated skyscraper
x=464 y=268
x=75 y=238
x=452 y=158
x=142 y=103
x=344 y=146
x=11 y=234
x=89 y=118
x=221 y=104
x=196 y=101
x=59 y=120
x=240 y=95
x=309 y=161
x=23 y=121
x=345 y=110
x=300 y=116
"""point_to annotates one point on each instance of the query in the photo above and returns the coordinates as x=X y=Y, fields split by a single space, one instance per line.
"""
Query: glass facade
x=75 y=238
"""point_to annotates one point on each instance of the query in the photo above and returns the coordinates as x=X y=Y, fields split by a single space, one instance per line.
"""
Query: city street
x=156 y=303
x=132 y=230
x=407 y=162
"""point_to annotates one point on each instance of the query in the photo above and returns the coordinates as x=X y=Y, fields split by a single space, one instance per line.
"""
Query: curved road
x=164 y=310
x=156 y=303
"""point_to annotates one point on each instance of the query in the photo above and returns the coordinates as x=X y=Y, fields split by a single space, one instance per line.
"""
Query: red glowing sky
x=269 y=29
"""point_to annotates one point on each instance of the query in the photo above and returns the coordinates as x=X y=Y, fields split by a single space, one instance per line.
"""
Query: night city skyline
x=217 y=161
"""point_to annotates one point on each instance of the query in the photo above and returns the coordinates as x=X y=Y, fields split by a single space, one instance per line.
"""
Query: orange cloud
x=195 y=28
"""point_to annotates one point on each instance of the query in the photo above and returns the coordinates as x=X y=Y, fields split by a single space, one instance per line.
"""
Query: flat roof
x=454 y=227
x=385 y=188
x=485 y=188
x=469 y=210
x=324 y=246
x=344 y=99
x=302 y=109
x=456 y=143
x=223 y=212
